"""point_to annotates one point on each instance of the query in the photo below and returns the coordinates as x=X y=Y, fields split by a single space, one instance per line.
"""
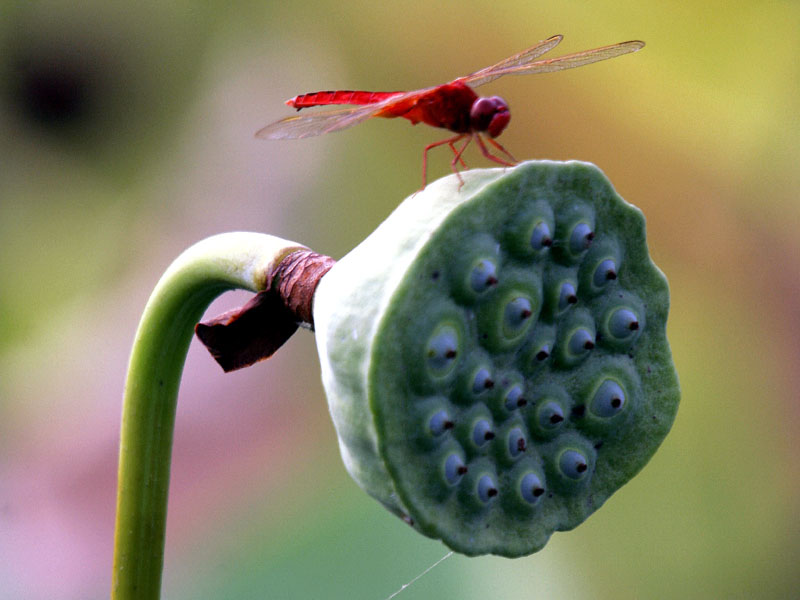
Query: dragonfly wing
x=310 y=124
x=570 y=61
x=523 y=58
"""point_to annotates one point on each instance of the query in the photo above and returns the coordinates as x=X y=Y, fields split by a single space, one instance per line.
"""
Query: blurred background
x=126 y=135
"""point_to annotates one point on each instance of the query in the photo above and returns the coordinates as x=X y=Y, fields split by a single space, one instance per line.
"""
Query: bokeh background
x=126 y=135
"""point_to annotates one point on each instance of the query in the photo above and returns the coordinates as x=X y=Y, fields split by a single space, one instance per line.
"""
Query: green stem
x=198 y=276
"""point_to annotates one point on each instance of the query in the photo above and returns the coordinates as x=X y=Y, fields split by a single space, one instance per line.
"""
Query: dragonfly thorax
x=490 y=115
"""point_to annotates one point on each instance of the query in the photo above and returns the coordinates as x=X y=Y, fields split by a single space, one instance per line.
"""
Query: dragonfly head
x=490 y=115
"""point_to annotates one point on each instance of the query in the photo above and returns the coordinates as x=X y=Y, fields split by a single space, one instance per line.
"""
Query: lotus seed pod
x=495 y=356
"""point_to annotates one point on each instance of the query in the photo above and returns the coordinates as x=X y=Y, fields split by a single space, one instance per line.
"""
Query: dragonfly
x=454 y=106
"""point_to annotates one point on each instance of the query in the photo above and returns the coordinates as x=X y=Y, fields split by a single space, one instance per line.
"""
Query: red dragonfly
x=454 y=106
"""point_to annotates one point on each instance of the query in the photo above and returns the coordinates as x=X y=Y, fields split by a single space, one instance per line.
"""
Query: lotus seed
x=567 y=296
x=576 y=338
x=541 y=237
x=483 y=381
x=486 y=489
x=623 y=323
x=531 y=488
x=483 y=276
x=442 y=350
x=539 y=348
x=516 y=442
x=550 y=415
x=580 y=342
x=573 y=464
x=440 y=422
x=482 y=432
x=581 y=238
x=454 y=469
x=609 y=399
x=517 y=312
x=514 y=398
x=606 y=271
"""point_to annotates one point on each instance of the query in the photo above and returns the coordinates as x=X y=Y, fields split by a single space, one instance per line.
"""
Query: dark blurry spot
x=52 y=94
x=53 y=88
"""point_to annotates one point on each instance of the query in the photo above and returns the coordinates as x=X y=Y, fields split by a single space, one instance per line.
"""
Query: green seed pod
x=495 y=356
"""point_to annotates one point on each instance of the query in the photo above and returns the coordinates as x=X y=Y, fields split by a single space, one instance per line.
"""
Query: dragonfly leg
x=458 y=158
x=503 y=150
x=494 y=157
x=450 y=142
x=459 y=153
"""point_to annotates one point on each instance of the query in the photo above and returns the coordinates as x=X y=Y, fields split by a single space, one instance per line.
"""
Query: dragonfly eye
x=490 y=115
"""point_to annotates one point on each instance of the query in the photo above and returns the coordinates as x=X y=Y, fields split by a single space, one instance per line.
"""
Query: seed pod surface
x=495 y=357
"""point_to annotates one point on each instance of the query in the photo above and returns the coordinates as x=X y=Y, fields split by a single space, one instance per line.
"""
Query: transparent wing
x=317 y=123
x=303 y=125
x=523 y=58
x=548 y=65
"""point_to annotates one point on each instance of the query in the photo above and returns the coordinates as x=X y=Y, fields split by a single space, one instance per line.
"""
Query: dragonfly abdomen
x=338 y=97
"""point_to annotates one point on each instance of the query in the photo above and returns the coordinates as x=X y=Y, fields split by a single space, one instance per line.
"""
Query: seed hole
x=483 y=381
x=486 y=488
x=482 y=432
x=440 y=422
x=608 y=400
x=483 y=276
x=454 y=468
x=550 y=415
x=514 y=397
x=573 y=464
x=516 y=442
x=581 y=238
x=540 y=237
x=532 y=488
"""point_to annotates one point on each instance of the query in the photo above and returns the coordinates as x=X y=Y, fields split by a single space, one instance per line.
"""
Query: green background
x=151 y=148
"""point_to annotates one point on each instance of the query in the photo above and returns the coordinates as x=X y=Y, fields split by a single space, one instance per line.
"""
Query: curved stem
x=198 y=276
